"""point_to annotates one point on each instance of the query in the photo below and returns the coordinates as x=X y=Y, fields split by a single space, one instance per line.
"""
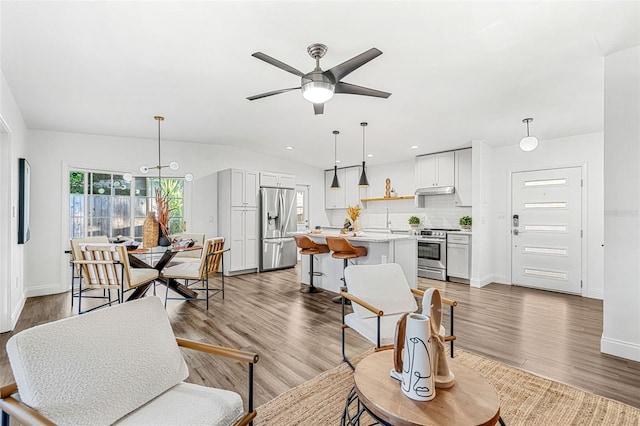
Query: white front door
x=546 y=228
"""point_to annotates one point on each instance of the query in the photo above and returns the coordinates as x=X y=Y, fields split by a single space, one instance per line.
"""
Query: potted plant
x=414 y=221
x=465 y=222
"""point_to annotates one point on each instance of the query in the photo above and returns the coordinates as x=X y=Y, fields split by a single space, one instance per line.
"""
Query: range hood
x=436 y=190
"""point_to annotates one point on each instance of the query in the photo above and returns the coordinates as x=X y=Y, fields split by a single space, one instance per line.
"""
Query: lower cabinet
x=459 y=257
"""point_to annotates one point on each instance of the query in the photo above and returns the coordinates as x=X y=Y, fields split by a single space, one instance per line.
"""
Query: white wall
x=482 y=243
x=47 y=266
x=582 y=150
x=12 y=266
x=621 y=334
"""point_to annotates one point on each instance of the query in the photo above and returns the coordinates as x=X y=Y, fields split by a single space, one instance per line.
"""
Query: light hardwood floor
x=298 y=335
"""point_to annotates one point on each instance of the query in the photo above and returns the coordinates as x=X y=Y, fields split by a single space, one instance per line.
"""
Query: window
x=102 y=203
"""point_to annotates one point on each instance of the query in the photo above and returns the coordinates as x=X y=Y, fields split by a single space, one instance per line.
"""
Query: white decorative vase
x=418 y=359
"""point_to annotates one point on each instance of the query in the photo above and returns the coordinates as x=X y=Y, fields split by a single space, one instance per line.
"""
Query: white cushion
x=368 y=327
x=383 y=286
x=189 y=270
x=188 y=404
x=141 y=276
x=96 y=368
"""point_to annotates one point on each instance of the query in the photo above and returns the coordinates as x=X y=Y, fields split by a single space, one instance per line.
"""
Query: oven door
x=432 y=253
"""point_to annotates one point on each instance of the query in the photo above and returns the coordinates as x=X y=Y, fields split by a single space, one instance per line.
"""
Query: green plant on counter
x=414 y=220
x=465 y=221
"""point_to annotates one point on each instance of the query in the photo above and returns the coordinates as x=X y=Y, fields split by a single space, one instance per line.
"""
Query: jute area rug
x=525 y=399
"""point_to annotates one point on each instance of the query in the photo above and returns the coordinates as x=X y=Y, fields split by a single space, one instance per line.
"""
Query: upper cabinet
x=435 y=170
x=348 y=194
x=243 y=187
x=463 y=178
x=277 y=180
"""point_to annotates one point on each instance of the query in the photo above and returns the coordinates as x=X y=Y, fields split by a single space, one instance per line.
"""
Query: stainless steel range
x=432 y=254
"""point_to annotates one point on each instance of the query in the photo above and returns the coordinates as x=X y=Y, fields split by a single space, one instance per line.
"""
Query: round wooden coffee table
x=472 y=400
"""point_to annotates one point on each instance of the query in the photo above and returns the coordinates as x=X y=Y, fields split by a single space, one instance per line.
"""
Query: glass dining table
x=145 y=258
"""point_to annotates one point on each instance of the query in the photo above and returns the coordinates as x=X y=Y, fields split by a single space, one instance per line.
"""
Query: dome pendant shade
x=528 y=143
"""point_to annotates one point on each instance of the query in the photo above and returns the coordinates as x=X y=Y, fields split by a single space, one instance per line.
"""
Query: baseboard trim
x=595 y=294
x=620 y=348
x=15 y=315
x=44 y=290
x=488 y=279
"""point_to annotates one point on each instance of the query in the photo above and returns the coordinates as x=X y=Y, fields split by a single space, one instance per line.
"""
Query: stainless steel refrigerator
x=277 y=225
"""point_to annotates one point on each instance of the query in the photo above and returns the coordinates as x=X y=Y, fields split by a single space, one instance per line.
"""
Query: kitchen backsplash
x=440 y=212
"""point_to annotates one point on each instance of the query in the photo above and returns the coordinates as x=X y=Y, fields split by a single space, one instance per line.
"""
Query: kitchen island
x=381 y=248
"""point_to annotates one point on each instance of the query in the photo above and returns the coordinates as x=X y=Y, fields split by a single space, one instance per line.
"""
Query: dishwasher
x=459 y=257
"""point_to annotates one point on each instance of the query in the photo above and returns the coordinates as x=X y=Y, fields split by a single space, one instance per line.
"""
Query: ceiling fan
x=319 y=86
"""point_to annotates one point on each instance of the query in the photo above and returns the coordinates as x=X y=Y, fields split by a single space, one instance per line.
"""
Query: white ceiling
x=457 y=71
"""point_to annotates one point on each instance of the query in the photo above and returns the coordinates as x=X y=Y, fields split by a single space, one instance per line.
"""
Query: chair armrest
x=362 y=303
x=21 y=412
x=96 y=262
x=444 y=300
x=236 y=354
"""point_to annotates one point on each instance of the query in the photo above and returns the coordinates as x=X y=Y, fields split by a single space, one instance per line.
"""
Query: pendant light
x=173 y=165
x=335 y=184
x=363 y=177
x=528 y=143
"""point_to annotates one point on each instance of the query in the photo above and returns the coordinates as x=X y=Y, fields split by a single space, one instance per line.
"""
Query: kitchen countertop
x=371 y=237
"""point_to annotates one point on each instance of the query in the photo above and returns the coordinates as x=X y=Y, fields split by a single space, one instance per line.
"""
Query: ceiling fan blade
x=276 y=63
x=345 y=68
x=352 y=89
x=318 y=108
x=275 y=92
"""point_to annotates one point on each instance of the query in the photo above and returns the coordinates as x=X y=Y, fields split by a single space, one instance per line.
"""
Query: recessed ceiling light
x=338 y=161
x=369 y=155
x=288 y=147
x=414 y=146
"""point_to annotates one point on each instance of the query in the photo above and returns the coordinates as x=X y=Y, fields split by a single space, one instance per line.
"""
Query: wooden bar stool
x=342 y=249
x=309 y=247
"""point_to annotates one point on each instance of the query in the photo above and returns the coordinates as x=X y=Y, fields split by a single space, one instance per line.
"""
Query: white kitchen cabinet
x=435 y=170
x=277 y=180
x=243 y=186
x=352 y=191
x=459 y=257
x=349 y=193
x=334 y=198
x=244 y=240
x=238 y=219
x=463 y=178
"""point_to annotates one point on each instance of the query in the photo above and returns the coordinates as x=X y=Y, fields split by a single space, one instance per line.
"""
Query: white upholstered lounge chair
x=380 y=295
x=121 y=365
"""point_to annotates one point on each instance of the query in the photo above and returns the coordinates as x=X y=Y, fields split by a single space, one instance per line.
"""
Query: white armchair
x=380 y=295
x=121 y=365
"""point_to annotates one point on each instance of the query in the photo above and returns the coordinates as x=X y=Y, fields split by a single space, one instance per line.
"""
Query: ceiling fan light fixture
x=317 y=92
x=528 y=143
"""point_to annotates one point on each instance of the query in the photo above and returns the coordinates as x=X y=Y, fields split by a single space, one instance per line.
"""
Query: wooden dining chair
x=76 y=254
x=106 y=267
x=194 y=273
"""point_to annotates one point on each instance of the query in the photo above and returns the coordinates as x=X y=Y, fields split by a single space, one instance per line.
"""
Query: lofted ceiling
x=457 y=71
